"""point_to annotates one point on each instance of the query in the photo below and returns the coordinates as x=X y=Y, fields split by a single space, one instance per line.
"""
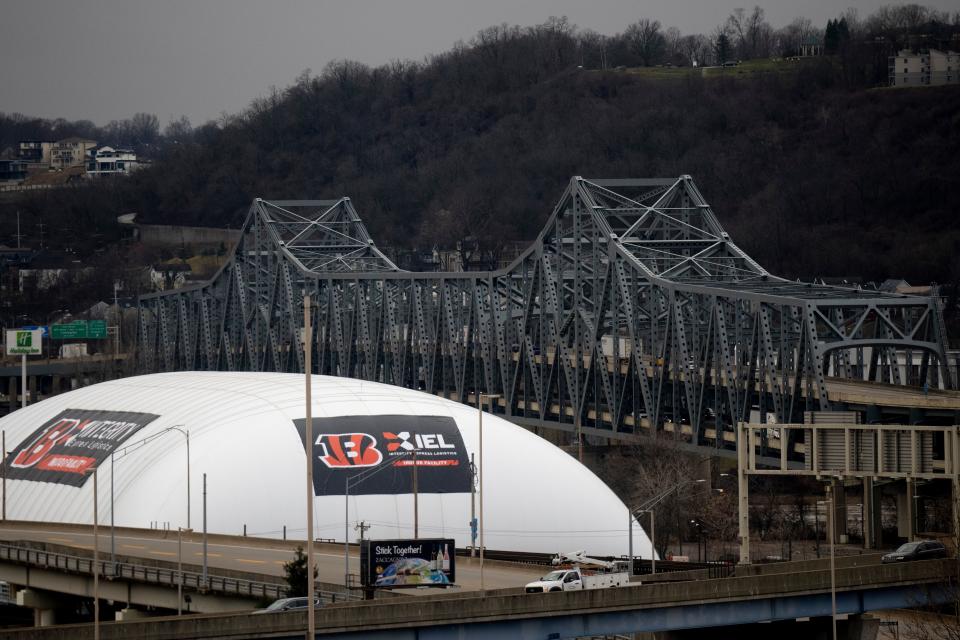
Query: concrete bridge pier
x=906 y=516
x=43 y=603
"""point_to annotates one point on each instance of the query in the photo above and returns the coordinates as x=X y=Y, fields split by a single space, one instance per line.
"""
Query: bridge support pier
x=743 y=506
x=43 y=604
x=906 y=515
x=869 y=513
x=131 y=614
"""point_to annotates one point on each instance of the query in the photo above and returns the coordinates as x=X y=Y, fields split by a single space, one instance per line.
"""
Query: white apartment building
x=908 y=69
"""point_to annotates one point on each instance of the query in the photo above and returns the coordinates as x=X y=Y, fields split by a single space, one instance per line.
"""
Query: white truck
x=601 y=574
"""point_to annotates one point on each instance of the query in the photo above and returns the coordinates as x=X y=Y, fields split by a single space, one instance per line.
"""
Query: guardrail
x=166 y=576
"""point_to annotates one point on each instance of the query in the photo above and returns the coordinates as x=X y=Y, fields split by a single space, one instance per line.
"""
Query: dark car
x=288 y=604
x=920 y=550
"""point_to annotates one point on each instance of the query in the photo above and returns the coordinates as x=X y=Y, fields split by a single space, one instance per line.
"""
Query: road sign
x=42 y=329
x=97 y=329
x=79 y=330
x=70 y=331
x=24 y=342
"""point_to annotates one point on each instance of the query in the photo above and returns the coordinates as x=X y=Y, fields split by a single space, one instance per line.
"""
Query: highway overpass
x=791 y=591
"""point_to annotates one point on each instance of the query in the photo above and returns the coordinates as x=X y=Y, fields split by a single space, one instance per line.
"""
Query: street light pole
x=480 y=447
x=113 y=548
x=308 y=441
x=828 y=502
x=96 y=559
x=180 y=532
x=128 y=449
x=204 y=530
x=647 y=507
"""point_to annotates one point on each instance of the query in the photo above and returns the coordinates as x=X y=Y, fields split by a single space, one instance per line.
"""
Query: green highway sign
x=79 y=330
x=97 y=329
x=71 y=331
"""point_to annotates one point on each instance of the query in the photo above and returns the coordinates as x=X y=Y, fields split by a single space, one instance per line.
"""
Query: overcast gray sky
x=107 y=59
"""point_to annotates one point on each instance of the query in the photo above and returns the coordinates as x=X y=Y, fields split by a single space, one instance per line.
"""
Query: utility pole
x=473 y=507
x=362 y=527
x=416 y=510
x=19 y=235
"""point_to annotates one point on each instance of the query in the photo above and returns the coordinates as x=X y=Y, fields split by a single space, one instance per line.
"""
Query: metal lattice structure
x=633 y=311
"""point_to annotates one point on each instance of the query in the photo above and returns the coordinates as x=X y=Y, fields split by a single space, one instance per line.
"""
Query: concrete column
x=55 y=385
x=12 y=393
x=905 y=510
x=839 y=511
x=953 y=441
x=743 y=505
x=43 y=604
x=866 y=514
x=861 y=627
x=32 y=385
x=130 y=614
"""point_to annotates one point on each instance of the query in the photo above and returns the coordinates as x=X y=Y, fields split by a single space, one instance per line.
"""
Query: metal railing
x=165 y=576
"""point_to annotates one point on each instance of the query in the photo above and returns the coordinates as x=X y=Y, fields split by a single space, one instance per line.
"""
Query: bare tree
x=646 y=40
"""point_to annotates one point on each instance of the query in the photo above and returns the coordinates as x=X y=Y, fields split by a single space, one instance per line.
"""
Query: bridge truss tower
x=632 y=312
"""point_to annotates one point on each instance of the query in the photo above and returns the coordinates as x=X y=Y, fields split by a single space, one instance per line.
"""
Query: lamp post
x=130 y=448
x=488 y=396
x=180 y=532
x=828 y=502
x=647 y=507
x=308 y=443
x=96 y=559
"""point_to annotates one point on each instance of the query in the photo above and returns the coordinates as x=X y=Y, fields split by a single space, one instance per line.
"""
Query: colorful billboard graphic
x=75 y=440
x=392 y=564
x=345 y=446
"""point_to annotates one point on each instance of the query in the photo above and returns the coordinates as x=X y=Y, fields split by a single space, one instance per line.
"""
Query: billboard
x=345 y=446
x=421 y=562
x=24 y=342
x=63 y=448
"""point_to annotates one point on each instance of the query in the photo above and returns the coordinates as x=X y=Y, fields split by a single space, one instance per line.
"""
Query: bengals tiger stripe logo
x=346 y=450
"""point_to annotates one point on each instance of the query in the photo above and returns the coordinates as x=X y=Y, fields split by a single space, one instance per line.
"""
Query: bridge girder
x=632 y=312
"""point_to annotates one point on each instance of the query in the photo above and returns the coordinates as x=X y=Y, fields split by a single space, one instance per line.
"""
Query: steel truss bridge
x=632 y=312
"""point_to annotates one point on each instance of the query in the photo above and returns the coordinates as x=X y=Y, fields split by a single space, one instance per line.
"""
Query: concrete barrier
x=431 y=611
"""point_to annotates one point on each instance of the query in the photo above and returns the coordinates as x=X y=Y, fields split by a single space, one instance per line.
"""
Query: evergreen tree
x=295 y=573
x=843 y=33
x=831 y=39
x=723 y=48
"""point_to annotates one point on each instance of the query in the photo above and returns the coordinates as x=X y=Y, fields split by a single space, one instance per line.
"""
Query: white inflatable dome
x=245 y=433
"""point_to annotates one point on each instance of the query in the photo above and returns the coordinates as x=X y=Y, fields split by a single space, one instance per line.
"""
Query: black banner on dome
x=384 y=446
x=74 y=441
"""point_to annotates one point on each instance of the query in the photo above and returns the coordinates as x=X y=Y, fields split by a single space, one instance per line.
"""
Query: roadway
x=792 y=592
x=263 y=556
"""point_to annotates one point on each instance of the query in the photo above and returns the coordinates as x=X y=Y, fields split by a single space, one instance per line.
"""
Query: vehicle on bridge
x=582 y=573
x=289 y=604
x=917 y=550
x=577 y=579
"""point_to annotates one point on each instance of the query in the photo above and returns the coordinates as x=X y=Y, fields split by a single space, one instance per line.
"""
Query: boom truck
x=578 y=572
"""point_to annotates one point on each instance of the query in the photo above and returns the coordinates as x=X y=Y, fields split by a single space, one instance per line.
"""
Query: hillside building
x=70 y=152
x=931 y=68
x=106 y=160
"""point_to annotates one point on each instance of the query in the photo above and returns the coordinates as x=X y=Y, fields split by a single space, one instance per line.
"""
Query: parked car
x=919 y=550
x=289 y=604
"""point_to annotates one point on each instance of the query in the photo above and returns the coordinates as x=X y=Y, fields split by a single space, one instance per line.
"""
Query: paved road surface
x=257 y=555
